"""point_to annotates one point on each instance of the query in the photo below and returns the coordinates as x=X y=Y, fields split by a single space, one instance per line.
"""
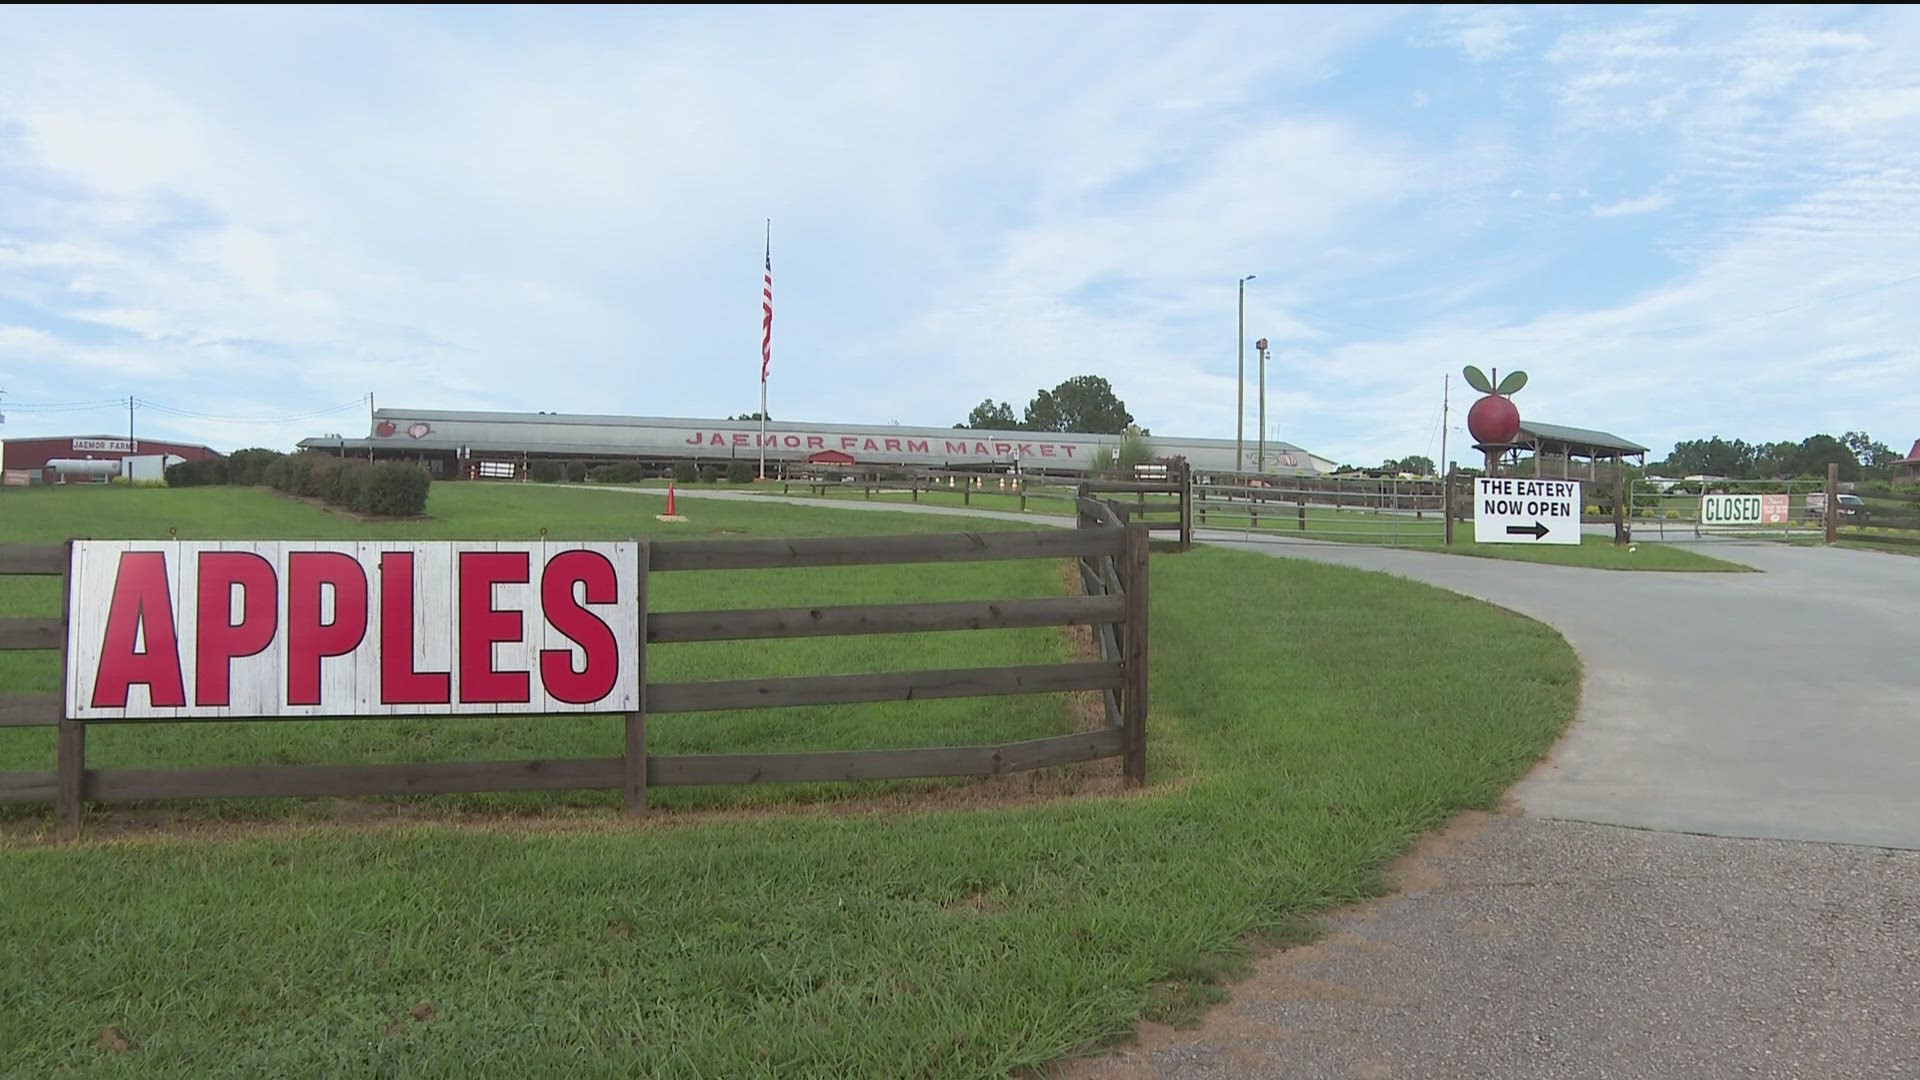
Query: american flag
x=766 y=318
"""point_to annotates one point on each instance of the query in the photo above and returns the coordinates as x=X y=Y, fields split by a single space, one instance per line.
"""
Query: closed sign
x=1743 y=509
x=1730 y=510
x=180 y=629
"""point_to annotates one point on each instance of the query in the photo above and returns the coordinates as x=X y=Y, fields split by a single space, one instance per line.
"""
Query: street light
x=1260 y=457
x=1240 y=414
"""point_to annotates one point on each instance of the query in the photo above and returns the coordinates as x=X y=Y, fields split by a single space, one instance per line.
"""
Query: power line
x=193 y=414
x=67 y=406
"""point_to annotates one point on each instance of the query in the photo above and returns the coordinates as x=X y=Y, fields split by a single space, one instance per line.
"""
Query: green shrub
x=711 y=474
x=685 y=472
x=549 y=472
x=625 y=472
x=197 y=473
x=388 y=488
x=248 y=468
x=740 y=472
x=396 y=489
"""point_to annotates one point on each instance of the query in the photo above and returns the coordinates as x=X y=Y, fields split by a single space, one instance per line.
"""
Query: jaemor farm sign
x=180 y=629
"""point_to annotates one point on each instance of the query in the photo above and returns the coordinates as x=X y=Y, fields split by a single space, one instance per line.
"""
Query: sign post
x=1513 y=510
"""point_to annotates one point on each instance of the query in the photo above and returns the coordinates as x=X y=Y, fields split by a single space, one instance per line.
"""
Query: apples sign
x=1494 y=420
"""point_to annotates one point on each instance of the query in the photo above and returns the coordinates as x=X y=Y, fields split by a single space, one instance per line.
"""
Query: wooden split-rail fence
x=1113 y=565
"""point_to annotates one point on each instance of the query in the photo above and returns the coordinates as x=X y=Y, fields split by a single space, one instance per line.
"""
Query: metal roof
x=566 y=433
x=1574 y=436
x=517 y=427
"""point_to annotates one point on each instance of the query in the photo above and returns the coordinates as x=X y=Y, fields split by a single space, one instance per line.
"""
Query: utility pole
x=1446 y=396
x=1260 y=456
x=1240 y=387
x=132 y=447
x=370 y=426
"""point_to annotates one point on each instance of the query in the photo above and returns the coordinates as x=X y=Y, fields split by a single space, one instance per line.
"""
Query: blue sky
x=1680 y=222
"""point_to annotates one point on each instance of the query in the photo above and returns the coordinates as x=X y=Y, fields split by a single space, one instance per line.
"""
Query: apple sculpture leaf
x=1494 y=420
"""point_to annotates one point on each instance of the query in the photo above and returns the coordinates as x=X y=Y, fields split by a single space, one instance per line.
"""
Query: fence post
x=1186 y=507
x=1619 y=503
x=1134 y=573
x=70 y=748
x=1833 y=501
x=1446 y=500
x=634 y=768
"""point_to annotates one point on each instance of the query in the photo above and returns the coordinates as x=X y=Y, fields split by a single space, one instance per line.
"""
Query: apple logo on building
x=384 y=429
x=419 y=431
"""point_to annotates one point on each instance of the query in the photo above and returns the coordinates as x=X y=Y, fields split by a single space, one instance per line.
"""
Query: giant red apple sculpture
x=1493 y=420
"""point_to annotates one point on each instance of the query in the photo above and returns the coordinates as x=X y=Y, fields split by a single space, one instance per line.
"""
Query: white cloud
x=1651 y=202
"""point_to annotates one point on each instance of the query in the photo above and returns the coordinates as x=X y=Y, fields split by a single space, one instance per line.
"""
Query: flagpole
x=764 y=345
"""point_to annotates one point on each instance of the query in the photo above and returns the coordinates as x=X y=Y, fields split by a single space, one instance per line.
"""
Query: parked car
x=1849 y=505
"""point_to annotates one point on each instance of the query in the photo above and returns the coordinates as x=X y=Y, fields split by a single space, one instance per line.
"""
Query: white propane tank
x=67 y=470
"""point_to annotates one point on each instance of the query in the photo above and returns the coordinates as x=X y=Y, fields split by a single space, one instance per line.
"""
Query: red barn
x=22 y=460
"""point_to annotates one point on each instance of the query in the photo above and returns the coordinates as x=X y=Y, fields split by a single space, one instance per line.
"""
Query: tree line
x=1084 y=403
x=1859 y=456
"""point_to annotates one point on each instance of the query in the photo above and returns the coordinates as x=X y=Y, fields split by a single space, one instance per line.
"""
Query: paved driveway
x=1532 y=945
x=1784 y=704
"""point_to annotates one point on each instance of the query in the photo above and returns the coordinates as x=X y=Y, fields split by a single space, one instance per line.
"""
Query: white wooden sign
x=188 y=629
x=1513 y=510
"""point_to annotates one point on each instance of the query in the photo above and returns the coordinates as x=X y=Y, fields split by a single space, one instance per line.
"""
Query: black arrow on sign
x=1538 y=530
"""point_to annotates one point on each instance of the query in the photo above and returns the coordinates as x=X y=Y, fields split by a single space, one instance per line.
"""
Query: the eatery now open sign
x=185 y=629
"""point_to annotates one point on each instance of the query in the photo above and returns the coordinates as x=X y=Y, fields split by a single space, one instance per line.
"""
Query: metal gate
x=1672 y=511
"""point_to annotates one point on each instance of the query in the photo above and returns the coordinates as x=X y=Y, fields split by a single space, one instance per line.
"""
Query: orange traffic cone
x=671 y=514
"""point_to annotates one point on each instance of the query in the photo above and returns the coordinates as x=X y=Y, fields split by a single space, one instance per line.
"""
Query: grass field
x=1355 y=526
x=931 y=941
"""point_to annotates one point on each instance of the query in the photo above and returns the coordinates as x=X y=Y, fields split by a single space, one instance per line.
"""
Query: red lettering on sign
x=1068 y=449
x=1002 y=448
x=793 y=442
x=1026 y=449
x=400 y=684
x=815 y=442
x=482 y=626
x=220 y=640
x=739 y=438
x=980 y=448
x=716 y=439
x=696 y=440
x=142 y=607
x=565 y=614
x=848 y=442
x=871 y=445
x=1046 y=450
x=917 y=446
x=956 y=447
x=893 y=444
x=310 y=641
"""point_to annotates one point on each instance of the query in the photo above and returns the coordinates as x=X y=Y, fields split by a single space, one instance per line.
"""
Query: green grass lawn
x=1288 y=769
